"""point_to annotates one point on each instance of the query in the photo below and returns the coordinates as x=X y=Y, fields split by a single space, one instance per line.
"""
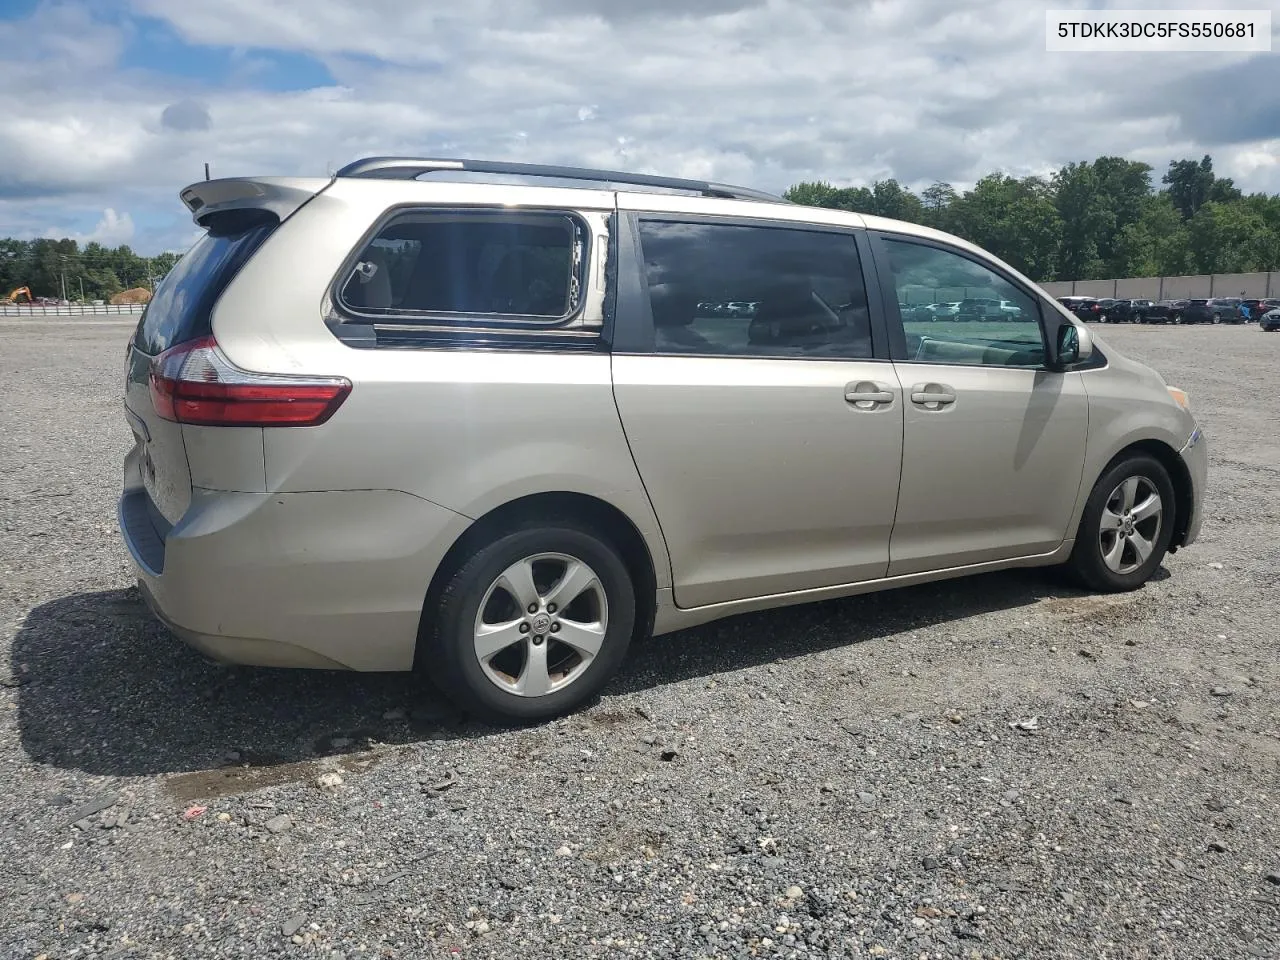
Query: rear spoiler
x=280 y=196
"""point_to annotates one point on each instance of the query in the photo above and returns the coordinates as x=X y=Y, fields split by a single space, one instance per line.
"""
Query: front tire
x=1126 y=527
x=532 y=625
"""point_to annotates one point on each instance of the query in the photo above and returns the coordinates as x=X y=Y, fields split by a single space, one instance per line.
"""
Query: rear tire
x=560 y=655
x=1126 y=526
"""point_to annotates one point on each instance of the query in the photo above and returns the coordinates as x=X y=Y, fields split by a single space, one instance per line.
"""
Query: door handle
x=932 y=396
x=866 y=395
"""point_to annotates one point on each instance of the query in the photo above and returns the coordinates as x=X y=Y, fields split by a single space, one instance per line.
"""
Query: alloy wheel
x=1130 y=525
x=541 y=624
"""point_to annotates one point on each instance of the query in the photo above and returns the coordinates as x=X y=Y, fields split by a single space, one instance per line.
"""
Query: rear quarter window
x=182 y=307
x=526 y=268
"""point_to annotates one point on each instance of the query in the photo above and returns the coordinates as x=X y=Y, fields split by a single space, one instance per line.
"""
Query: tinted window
x=725 y=289
x=464 y=265
x=997 y=324
x=181 y=308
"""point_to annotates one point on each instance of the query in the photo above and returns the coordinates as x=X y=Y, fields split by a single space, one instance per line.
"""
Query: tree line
x=91 y=272
x=1092 y=220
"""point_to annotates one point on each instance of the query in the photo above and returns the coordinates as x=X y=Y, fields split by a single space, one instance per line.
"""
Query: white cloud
x=762 y=92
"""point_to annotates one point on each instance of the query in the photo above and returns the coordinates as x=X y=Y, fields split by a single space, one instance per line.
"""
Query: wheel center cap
x=1128 y=526
x=541 y=623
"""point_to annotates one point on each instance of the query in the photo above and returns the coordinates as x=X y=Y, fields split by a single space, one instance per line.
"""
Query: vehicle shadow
x=104 y=689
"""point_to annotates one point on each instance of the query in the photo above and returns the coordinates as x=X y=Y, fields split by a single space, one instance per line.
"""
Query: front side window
x=464 y=265
x=738 y=290
x=992 y=322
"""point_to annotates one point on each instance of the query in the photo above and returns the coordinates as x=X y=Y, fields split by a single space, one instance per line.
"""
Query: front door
x=994 y=444
x=767 y=435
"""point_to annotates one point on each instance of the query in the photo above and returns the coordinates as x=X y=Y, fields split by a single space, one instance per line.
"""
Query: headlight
x=1181 y=398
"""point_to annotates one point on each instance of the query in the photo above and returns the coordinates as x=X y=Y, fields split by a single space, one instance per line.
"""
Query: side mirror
x=1075 y=344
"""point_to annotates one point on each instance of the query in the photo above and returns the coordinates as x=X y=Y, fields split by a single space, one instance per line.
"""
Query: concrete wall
x=1139 y=288
x=1171 y=288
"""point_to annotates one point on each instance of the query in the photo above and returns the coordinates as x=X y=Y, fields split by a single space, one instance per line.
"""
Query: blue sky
x=112 y=106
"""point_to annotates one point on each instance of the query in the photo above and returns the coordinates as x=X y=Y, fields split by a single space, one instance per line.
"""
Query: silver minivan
x=491 y=421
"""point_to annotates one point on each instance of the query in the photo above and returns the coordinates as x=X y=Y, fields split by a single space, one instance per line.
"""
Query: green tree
x=1014 y=219
x=1155 y=244
x=1189 y=184
x=1087 y=220
x=1229 y=238
x=890 y=199
x=937 y=199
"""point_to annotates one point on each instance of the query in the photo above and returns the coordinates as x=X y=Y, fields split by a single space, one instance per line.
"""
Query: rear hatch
x=237 y=215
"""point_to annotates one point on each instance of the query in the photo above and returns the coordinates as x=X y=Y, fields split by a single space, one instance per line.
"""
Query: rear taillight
x=195 y=383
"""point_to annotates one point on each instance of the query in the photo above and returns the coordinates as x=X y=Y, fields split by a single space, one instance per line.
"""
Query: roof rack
x=409 y=168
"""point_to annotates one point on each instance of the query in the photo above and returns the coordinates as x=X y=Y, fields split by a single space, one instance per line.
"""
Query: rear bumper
x=327 y=580
x=1196 y=456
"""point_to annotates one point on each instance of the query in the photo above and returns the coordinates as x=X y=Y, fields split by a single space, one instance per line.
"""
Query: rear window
x=466 y=265
x=183 y=303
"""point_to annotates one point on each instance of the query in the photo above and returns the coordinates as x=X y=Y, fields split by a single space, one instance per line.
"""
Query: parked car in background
x=1129 y=311
x=1084 y=308
x=1258 y=307
x=1270 y=321
x=973 y=309
x=367 y=435
x=1225 y=310
x=1158 y=311
x=944 y=311
x=1192 y=311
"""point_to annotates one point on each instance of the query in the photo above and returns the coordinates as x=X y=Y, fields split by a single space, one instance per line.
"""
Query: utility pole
x=64 y=277
x=206 y=170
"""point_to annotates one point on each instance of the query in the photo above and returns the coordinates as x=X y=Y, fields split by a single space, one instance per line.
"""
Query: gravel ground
x=839 y=780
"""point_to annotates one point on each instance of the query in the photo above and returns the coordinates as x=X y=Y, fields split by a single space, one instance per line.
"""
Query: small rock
x=1217 y=846
x=929 y=863
x=1215 y=566
x=279 y=823
x=1131 y=643
x=828 y=788
x=293 y=924
x=440 y=786
x=864 y=797
x=1177 y=865
x=668 y=755
x=1031 y=723
x=1011 y=795
x=329 y=781
x=1274 y=877
x=1067 y=897
x=481 y=927
x=1220 y=692
x=564 y=852
x=87 y=809
x=224 y=817
x=794 y=893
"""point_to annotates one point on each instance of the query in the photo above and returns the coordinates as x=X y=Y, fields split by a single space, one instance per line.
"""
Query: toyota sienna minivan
x=482 y=419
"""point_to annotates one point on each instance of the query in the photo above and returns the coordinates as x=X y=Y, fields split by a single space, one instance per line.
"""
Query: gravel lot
x=838 y=780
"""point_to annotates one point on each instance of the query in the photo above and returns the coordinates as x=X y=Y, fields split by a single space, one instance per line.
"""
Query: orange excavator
x=20 y=292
